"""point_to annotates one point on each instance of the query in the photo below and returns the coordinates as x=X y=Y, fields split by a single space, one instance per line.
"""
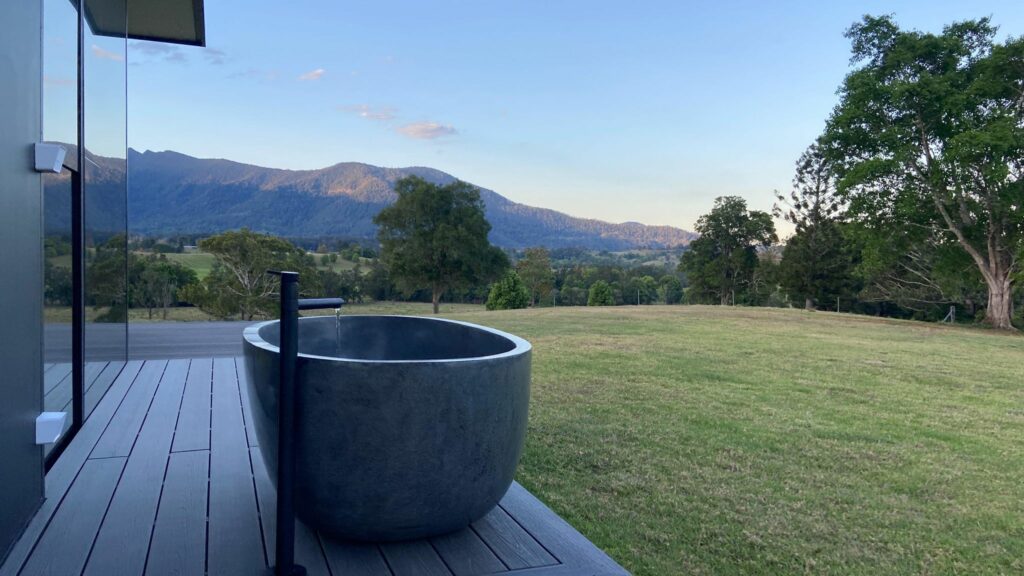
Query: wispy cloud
x=215 y=56
x=313 y=74
x=426 y=130
x=174 y=53
x=156 y=50
x=254 y=74
x=381 y=113
x=106 y=54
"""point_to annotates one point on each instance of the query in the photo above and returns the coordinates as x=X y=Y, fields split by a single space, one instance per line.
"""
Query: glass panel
x=60 y=124
x=105 y=185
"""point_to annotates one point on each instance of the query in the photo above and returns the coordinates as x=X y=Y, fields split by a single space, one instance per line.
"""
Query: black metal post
x=78 y=247
x=285 y=545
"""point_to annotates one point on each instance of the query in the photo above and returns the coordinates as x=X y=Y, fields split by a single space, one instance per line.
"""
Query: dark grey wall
x=21 y=274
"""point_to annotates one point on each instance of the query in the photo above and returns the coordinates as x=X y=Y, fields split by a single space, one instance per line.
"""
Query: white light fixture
x=49 y=427
x=49 y=157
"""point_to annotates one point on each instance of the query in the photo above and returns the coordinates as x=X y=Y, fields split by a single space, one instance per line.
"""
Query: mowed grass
x=707 y=440
x=200 y=262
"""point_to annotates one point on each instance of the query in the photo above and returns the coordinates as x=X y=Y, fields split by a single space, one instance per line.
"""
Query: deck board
x=99 y=386
x=55 y=376
x=164 y=478
x=123 y=540
x=415 y=558
x=235 y=545
x=193 y=431
x=119 y=437
x=64 y=547
x=516 y=548
x=466 y=554
x=308 y=552
x=178 y=546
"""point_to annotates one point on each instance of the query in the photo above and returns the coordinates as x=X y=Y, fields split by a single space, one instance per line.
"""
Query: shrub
x=509 y=293
x=600 y=294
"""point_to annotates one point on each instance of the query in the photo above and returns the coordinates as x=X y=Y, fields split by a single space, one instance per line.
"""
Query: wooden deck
x=165 y=477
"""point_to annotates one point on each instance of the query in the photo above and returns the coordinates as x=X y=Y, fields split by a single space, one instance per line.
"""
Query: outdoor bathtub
x=406 y=427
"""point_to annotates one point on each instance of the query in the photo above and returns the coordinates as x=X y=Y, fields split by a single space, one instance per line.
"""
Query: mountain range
x=173 y=193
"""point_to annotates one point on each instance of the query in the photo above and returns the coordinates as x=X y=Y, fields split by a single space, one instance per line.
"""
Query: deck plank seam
x=384 y=557
x=491 y=548
x=96 y=534
x=209 y=491
x=319 y=544
x=167 y=461
x=64 y=496
x=252 y=471
x=114 y=415
x=451 y=571
x=241 y=400
x=531 y=534
x=209 y=466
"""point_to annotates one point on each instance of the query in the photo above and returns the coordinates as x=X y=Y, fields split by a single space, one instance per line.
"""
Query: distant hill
x=175 y=193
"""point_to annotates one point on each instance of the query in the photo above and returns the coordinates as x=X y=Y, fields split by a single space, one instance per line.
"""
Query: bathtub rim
x=521 y=346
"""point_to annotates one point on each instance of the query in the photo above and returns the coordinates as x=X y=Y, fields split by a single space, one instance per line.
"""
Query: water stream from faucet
x=337 y=327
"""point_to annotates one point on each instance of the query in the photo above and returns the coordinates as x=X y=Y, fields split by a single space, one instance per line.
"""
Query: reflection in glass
x=104 y=176
x=60 y=124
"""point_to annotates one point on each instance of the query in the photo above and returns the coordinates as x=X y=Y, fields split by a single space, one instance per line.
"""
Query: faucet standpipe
x=288 y=344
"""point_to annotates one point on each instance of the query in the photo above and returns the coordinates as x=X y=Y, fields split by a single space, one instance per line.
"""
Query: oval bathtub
x=406 y=427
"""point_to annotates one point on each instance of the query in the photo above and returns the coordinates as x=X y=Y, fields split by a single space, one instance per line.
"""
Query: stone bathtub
x=406 y=427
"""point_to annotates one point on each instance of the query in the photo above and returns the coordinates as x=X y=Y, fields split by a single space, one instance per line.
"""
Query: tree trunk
x=725 y=298
x=809 y=304
x=436 y=298
x=1000 y=301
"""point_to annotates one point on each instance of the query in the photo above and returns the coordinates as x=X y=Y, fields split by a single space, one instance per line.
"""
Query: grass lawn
x=200 y=262
x=705 y=440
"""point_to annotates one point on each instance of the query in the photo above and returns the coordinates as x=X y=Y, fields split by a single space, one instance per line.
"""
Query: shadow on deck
x=165 y=477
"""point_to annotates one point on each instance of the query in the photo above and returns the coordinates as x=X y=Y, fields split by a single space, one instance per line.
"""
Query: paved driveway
x=149 y=340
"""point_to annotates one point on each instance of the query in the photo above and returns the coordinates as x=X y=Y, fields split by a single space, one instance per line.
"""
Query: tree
x=106 y=279
x=671 y=289
x=722 y=260
x=601 y=294
x=155 y=282
x=535 y=271
x=509 y=293
x=929 y=136
x=239 y=284
x=435 y=237
x=641 y=290
x=814 y=266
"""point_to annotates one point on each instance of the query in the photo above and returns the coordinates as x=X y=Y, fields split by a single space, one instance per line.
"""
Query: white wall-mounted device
x=49 y=426
x=49 y=157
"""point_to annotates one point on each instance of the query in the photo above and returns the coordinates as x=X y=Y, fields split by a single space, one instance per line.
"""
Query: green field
x=200 y=262
x=705 y=440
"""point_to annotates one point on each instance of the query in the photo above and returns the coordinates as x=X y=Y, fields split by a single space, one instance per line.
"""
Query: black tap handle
x=320 y=303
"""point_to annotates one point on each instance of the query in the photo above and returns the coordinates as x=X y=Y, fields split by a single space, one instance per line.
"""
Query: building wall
x=21 y=275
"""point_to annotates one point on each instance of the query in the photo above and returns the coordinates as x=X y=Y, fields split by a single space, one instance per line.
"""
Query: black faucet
x=289 y=354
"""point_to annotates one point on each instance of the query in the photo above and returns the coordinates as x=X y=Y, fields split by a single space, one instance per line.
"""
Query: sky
x=622 y=111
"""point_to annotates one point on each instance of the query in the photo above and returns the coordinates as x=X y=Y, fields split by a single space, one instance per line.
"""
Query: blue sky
x=621 y=111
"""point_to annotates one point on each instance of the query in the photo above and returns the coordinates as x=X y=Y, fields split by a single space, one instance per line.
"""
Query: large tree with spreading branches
x=721 y=262
x=929 y=136
x=435 y=237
